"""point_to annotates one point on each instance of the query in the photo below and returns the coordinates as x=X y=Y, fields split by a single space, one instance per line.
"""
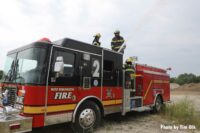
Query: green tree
x=198 y=79
x=187 y=78
x=172 y=80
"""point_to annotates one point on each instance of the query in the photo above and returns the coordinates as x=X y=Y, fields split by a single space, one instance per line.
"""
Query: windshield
x=26 y=67
x=9 y=67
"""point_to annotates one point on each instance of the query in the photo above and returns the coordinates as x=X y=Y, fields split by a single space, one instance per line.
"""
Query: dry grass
x=182 y=112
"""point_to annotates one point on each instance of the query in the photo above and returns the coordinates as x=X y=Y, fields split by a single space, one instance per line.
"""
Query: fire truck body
x=58 y=82
x=154 y=81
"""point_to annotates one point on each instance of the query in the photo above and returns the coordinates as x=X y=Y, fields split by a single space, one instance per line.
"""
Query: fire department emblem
x=109 y=93
x=95 y=83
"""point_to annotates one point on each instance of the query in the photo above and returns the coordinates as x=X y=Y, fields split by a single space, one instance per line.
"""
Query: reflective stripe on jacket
x=129 y=70
x=96 y=43
x=117 y=41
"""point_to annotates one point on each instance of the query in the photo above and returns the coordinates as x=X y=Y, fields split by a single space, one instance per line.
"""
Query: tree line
x=185 y=79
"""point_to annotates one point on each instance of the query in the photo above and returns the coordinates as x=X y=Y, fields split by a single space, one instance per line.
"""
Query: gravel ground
x=133 y=122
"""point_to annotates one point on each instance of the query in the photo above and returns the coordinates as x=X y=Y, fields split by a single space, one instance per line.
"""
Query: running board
x=141 y=109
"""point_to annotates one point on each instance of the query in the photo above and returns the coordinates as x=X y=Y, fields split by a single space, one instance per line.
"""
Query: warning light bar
x=45 y=39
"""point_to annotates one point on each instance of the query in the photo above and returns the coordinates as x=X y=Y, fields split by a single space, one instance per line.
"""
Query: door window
x=68 y=74
x=68 y=59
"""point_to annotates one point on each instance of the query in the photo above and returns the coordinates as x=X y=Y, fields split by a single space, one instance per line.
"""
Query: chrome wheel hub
x=87 y=118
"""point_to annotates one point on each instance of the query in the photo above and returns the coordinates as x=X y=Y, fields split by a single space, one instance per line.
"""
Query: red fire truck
x=67 y=80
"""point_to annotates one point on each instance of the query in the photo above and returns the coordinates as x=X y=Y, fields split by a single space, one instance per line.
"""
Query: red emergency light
x=14 y=126
x=45 y=39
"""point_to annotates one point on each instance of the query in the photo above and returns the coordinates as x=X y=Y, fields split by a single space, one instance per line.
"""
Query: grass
x=182 y=112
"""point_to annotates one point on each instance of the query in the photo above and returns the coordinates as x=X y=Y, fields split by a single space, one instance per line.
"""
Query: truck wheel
x=87 y=117
x=158 y=105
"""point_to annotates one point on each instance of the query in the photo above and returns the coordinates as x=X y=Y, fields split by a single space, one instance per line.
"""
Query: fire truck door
x=63 y=84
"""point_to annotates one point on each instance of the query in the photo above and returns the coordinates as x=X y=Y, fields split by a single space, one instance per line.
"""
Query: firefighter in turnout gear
x=117 y=41
x=129 y=73
x=96 y=39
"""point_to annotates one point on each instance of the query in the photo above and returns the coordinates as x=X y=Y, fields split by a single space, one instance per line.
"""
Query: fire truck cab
x=72 y=81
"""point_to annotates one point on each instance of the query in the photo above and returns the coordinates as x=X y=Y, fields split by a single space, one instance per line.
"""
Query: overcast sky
x=162 y=33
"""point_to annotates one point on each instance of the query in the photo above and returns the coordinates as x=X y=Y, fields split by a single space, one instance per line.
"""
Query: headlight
x=19 y=103
x=20 y=100
x=19 y=107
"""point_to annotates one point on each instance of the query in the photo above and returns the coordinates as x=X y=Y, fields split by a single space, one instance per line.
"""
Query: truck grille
x=12 y=96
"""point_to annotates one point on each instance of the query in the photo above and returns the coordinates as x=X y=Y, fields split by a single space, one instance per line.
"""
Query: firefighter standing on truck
x=117 y=41
x=129 y=73
x=96 y=40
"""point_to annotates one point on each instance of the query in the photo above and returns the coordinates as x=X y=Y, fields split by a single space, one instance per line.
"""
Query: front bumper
x=14 y=123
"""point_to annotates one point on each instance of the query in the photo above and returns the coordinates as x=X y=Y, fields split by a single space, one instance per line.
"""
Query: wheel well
x=99 y=104
x=159 y=95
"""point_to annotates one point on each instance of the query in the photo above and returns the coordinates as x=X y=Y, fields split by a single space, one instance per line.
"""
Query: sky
x=161 y=33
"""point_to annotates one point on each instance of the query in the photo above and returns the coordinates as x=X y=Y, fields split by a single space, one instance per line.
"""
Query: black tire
x=85 y=114
x=158 y=105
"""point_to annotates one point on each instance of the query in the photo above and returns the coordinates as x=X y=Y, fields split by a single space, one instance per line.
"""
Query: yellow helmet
x=97 y=35
x=129 y=60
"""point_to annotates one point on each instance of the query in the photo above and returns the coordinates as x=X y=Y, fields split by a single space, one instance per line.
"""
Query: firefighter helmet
x=129 y=60
x=117 y=32
x=97 y=35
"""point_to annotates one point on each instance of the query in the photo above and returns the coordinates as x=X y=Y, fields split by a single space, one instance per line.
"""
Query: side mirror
x=1 y=74
x=59 y=65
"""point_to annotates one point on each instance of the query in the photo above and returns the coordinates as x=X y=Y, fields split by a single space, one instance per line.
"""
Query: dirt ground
x=144 y=122
x=149 y=123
